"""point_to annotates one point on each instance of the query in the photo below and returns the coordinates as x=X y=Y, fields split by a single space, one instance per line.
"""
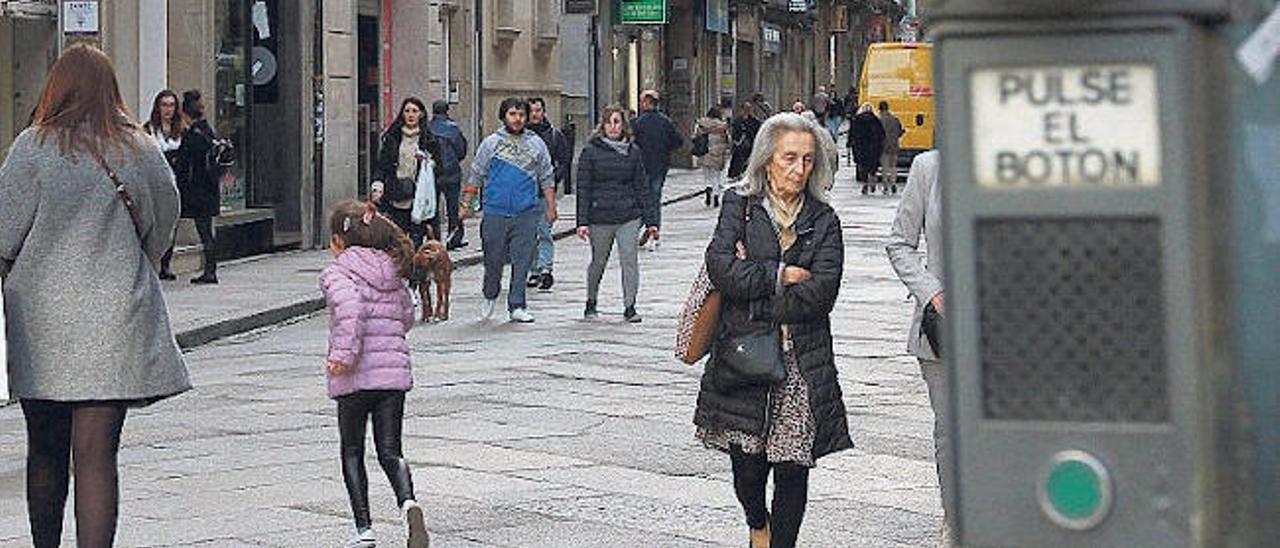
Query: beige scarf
x=784 y=217
x=408 y=166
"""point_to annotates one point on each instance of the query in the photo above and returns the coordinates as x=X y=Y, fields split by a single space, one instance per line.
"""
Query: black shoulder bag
x=752 y=359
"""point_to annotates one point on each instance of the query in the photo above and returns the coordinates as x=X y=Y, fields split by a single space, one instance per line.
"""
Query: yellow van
x=901 y=73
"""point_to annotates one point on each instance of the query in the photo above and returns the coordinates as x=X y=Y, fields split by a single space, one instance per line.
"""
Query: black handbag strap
x=122 y=192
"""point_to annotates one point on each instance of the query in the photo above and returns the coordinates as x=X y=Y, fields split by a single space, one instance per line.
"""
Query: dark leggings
x=204 y=227
x=387 y=409
x=790 y=495
x=89 y=434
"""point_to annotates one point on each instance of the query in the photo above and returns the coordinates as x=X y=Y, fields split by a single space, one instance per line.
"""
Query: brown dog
x=431 y=263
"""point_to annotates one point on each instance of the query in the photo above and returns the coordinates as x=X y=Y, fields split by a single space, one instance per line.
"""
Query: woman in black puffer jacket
x=777 y=257
x=614 y=198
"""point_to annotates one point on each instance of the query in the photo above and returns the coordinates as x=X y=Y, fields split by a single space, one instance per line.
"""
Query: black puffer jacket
x=389 y=156
x=752 y=303
x=612 y=188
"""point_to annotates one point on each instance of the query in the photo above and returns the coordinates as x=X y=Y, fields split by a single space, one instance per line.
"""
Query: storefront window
x=28 y=47
x=232 y=98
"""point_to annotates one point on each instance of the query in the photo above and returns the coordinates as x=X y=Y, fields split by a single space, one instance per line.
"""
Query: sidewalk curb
x=206 y=334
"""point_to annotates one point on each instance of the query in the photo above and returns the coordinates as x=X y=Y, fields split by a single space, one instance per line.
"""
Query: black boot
x=707 y=197
x=210 y=275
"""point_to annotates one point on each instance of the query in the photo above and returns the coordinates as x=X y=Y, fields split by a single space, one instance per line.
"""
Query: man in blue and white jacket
x=512 y=166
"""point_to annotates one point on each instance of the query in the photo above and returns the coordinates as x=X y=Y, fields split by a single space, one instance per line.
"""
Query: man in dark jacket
x=561 y=158
x=453 y=148
x=657 y=137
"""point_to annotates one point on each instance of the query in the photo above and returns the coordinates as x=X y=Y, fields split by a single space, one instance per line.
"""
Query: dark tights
x=790 y=495
x=387 y=409
x=89 y=434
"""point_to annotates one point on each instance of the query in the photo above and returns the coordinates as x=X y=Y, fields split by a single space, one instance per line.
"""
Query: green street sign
x=643 y=12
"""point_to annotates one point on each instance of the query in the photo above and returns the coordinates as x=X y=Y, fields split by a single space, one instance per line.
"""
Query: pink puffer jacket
x=370 y=313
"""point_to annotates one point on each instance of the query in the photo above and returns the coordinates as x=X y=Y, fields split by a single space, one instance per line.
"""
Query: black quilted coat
x=753 y=302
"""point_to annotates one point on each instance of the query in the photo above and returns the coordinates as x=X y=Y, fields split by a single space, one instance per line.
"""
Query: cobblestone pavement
x=562 y=433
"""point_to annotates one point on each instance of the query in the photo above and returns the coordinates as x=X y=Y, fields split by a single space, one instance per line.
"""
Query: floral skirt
x=791 y=431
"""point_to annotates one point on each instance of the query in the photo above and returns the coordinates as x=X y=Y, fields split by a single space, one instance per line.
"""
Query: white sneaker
x=521 y=315
x=416 y=522
x=486 y=309
x=363 y=539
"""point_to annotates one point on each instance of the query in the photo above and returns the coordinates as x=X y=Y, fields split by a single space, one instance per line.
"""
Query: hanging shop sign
x=80 y=18
x=800 y=6
x=580 y=7
x=717 y=16
x=642 y=12
x=772 y=37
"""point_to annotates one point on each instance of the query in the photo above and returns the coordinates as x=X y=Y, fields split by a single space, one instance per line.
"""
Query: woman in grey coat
x=920 y=212
x=88 y=330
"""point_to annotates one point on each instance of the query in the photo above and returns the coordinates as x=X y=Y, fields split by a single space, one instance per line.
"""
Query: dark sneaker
x=207 y=279
x=546 y=281
x=166 y=275
x=864 y=190
x=590 y=313
x=707 y=197
x=534 y=280
x=631 y=315
x=456 y=245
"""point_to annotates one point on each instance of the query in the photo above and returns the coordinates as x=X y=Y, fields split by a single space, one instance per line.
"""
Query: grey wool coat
x=85 y=316
x=920 y=211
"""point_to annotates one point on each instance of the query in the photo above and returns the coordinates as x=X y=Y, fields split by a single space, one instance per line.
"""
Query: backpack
x=701 y=145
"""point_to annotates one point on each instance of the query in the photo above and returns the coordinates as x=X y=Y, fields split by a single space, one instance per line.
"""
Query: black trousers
x=403 y=218
x=204 y=227
x=452 y=200
x=790 y=495
x=387 y=410
x=87 y=433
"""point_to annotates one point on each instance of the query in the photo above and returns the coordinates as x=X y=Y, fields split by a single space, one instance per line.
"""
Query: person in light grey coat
x=920 y=211
x=87 y=327
x=86 y=318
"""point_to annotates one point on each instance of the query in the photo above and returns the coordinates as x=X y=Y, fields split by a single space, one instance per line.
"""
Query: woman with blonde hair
x=89 y=204
x=776 y=257
x=614 y=201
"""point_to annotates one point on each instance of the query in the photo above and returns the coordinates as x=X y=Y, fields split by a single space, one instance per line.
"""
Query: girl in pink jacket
x=368 y=362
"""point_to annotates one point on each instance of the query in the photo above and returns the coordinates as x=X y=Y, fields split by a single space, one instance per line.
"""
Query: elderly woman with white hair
x=777 y=257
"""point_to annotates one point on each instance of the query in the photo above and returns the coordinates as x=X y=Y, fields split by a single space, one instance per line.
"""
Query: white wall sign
x=80 y=17
x=1066 y=126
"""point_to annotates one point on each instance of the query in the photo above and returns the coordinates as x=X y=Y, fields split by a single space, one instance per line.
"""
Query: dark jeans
x=656 y=181
x=89 y=433
x=451 y=200
x=387 y=410
x=204 y=227
x=508 y=240
x=790 y=495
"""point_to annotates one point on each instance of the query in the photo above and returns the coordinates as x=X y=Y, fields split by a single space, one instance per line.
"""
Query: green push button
x=1075 y=491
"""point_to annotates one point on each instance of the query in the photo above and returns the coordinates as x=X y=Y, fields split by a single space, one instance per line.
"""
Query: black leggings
x=790 y=495
x=89 y=434
x=387 y=408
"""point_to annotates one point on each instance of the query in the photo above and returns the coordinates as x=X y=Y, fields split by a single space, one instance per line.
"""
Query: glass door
x=232 y=99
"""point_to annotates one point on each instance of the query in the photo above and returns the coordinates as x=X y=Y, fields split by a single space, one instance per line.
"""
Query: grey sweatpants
x=602 y=241
x=508 y=240
x=935 y=378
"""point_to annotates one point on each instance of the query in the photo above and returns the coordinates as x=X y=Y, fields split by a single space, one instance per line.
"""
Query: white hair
x=824 y=155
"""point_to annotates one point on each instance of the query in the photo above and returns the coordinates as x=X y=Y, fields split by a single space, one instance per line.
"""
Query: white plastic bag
x=424 y=193
x=4 y=356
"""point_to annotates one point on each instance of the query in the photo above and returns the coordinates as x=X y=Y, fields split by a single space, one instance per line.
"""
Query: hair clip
x=346 y=224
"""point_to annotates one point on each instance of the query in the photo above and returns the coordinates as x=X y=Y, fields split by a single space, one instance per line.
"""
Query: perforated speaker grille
x=1072 y=320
